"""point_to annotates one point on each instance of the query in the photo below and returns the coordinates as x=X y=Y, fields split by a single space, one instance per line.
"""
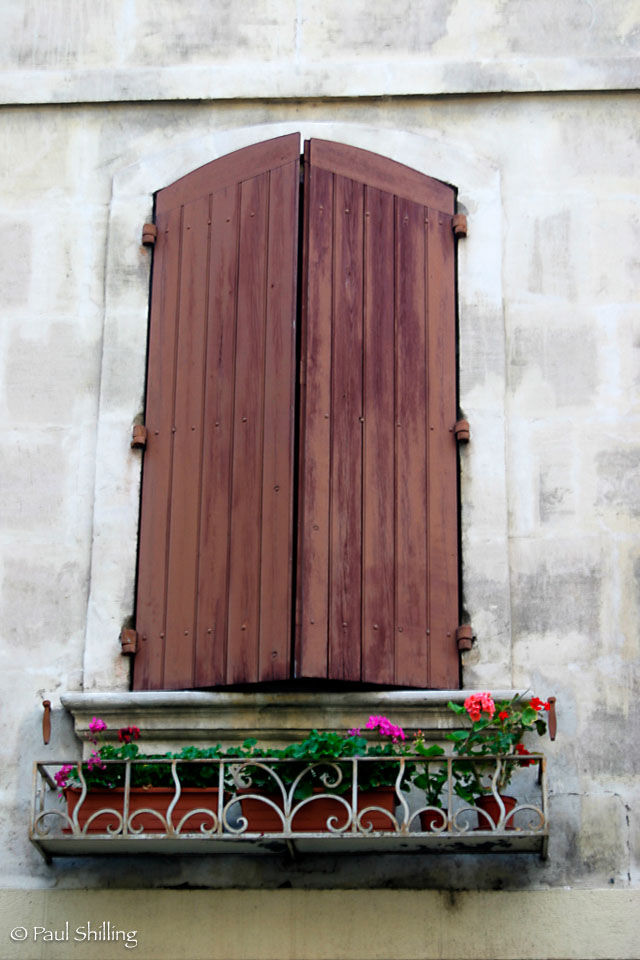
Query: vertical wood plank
x=411 y=427
x=345 y=603
x=211 y=649
x=313 y=550
x=442 y=456
x=187 y=449
x=378 y=500
x=154 y=513
x=278 y=416
x=244 y=572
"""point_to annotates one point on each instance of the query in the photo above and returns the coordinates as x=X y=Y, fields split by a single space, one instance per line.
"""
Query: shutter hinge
x=46 y=721
x=129 y=641
x=459 y=225
x=139 y=437
x=552 y=719
x=149 y=234
x=461 y=431
x=464 y=636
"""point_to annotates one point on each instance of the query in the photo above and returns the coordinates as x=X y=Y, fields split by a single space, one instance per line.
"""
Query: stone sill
x=169 y=720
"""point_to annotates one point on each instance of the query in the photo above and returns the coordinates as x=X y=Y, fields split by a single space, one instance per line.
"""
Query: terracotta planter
x=490 y=805
x=154 y=798
x=431 y=820
x=313 y=816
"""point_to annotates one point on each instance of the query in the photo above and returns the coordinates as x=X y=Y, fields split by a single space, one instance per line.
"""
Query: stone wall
x=546 y=162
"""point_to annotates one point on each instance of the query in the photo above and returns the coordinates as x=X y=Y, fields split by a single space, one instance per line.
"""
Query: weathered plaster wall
x=312 y=925
x=550 y=367
x=570 y=207
x=68 y=50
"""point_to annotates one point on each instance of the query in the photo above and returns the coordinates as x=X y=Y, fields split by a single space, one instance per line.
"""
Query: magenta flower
x=95 y=761
x=62 y=775
x=386 y=728
x=97 y=725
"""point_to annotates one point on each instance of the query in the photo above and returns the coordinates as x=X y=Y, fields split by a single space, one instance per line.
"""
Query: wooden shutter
x=214 y=578
x=377 y=595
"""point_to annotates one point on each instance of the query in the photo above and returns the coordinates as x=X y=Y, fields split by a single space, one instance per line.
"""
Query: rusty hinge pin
x=139 y=437
x=128 y=641
x=46 y=721
x=149 y=234
x=461 y=431
x=459 y=225
x=464 y=636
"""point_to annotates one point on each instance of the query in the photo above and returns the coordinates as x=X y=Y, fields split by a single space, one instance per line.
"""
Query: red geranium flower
x=538 y=704
x=503 y=715
x=128 y=734
x=522 y=750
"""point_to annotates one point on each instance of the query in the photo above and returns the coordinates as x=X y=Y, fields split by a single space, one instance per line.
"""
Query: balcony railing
x=262 y=806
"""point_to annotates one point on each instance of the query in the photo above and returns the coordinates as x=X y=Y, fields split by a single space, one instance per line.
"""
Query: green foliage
x=318 y=761
x=430 y=777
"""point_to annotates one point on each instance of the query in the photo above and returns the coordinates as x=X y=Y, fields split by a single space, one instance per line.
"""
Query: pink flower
x=479 y=703
x=97 y=725
x=354 y=732
x=386 y=728
x=95 y=760
x=62 y=775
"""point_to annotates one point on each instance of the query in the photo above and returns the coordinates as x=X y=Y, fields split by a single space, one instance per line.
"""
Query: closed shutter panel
x=214 y=576
x=377 y=595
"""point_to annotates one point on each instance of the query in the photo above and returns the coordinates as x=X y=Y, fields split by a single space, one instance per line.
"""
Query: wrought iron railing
x=323 y=805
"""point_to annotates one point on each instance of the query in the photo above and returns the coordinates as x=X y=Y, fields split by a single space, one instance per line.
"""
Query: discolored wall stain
x=37 y=595
x=565 y=358
x=619 y=480
x=48 y=375
x=548 y=601
x=335 y=27
x=552 y=265
x=15 y=263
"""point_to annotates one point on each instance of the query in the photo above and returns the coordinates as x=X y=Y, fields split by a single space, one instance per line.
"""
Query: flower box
x=314 y=815
x=194 y=802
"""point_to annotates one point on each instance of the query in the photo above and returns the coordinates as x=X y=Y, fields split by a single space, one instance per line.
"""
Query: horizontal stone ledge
x=169 y=720
x=391 y=75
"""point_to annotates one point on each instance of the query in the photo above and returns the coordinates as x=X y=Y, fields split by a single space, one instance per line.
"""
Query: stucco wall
x=569 y=277
x=550 y=330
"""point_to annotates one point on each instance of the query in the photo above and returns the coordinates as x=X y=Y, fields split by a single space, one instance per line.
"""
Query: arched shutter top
x=233 y=168
x=381 y=173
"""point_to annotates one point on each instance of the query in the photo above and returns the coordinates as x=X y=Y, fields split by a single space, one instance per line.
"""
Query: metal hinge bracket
x=129 y=641
x=464 y=636
x=149 y=234
x=461 y=431
x=459 y=225
x=139 y=437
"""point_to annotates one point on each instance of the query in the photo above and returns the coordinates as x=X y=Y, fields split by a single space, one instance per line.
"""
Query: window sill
x=169 y=720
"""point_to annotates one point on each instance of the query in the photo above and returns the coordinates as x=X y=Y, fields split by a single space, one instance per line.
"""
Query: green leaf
x=457 y=735
x=456 y=707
